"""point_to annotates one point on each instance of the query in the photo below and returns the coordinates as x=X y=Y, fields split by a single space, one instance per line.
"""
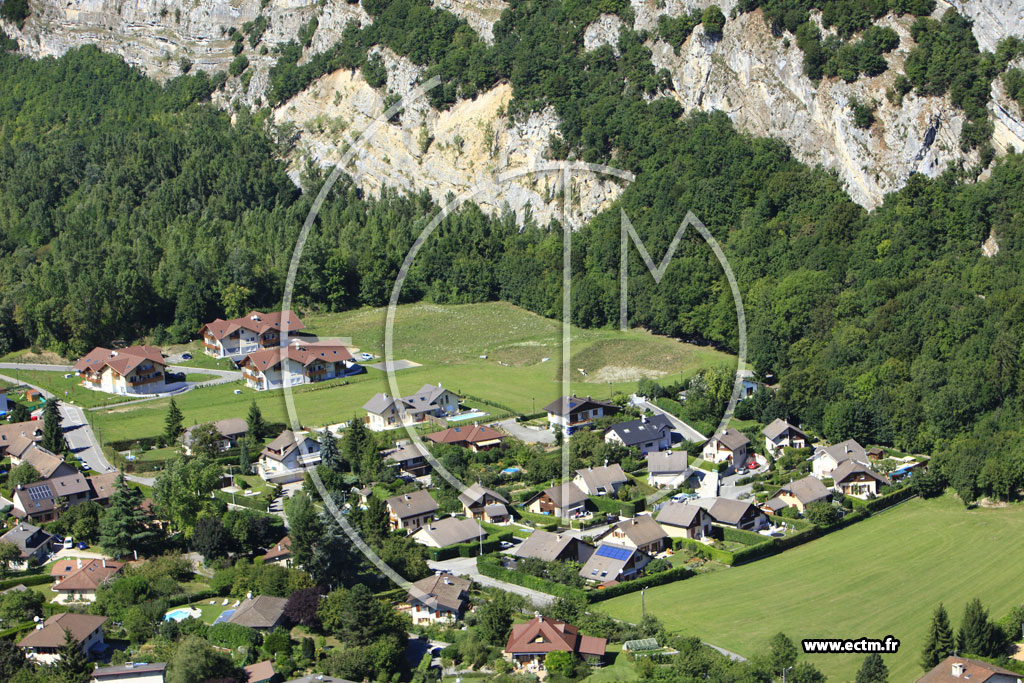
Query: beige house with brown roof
x=301 y=362
x=253 y=332
x=640 y=532
x=799 y=494
x=685 y=520
x=476 y=498
x=386 y=412
x=131 y=370
x=604 y=480
x=955 y=669
x=438 y=599
x=528 y=644
x=78 y=580
x=779 y=434
x=280 y=554
x=548 y=546
x=263 y=612
x=411 y=510
x=730 y=446
x=16 y=437
x=43 y=644
x=447 y=531
x=856 y=479
x=561 y=500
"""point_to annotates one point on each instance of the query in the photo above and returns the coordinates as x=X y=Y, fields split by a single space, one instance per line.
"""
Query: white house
x=386 y=412
x=43 y=644
x=571 y=413
x=646 y=434
x=438 y=599
x=129 y=371
x=826 y=460
x=250 y=333
x=685 y=520
x=668 y=468
x=285 y=458
x=640 y=532
x=132 y=672
x=300 y=362
x=730 y=446
x=780 y=434
x=448 y=531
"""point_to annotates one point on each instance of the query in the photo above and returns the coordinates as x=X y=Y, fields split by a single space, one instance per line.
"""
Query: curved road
x=77 y=431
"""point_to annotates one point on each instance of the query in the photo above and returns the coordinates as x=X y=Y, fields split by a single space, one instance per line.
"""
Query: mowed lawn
x=883 y=576
x=448 y=341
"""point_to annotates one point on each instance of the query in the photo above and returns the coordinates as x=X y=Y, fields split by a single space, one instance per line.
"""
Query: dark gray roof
x=667 y=462
x=404 y=453
x=496 y=510
x=806 y=490
x=229 y=428
x=729 y=511
x=422 y=401
x=544 y=545
x=412 y=504
x=445 y=592
x=602 y=567
x=683 y=515
x=566 y=494
x=636 y=432
x=641 y=530
x=571 y=404
x=847 y=450
x=263 y=611
x=121 y=671
x=27 y=537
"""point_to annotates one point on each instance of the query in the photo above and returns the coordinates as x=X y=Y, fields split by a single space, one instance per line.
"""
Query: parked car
x=174 y=376
x=506 y=545
x=365 y=356
x=86 y=466
x=69 y=543
x=186 y=356
x=82 y=546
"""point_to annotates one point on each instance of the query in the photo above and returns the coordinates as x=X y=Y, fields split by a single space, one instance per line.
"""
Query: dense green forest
x=130 y=209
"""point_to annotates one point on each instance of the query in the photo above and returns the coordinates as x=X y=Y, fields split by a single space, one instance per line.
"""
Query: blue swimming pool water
x=510 y=470
x=176 y=615
x=466 y=416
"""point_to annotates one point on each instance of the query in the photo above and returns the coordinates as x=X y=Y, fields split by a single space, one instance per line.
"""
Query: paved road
x=688 y=432
x=526 y=434
x=466 y=566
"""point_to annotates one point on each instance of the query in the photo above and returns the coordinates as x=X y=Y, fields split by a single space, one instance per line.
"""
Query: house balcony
x=139 y=381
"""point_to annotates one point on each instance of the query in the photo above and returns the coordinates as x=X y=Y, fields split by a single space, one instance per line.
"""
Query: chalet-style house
x=736 y=513
x=438 y=599
x=300 y=362
x=780 y=434
x=561 y=500
x=447 y=531
x=254 y=332
x=955 y=669
x=571 y=413
x=34 y=544
x=827 y=459
x=229 y=431
x=731 y=446
x=132 y=672
x=551 y=547
x=605 y=480
x=640 y=532
x=77 y=580
x=43 y=644
x=476 y=438
x=856 y=479
x=410 y=511
x=385 y=412
x=43 y=461
x=280 y=554
x=16 y=437
x=614 y=562
x=668 y=469
x=529 y=643
x=685 y=520
x=45 y=499
x=284 y=459
x=646 y=434
x=798 y=494
x=263 y=612
x=408 y=459
x=132 y=370
x=476 y=498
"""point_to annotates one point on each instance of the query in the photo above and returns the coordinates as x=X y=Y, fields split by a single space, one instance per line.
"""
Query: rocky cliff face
x=754 y=77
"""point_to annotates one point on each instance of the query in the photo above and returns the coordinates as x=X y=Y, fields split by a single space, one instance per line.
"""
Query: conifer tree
x=939 y=643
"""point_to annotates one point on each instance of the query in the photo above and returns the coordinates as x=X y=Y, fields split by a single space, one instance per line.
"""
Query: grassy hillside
x=879 y=577
x=448 y=342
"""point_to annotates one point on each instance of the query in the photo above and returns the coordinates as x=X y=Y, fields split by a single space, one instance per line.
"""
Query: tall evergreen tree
x=173 y=422
x=73 y=665
x=977 y=633
x=125 y=526
x=53 y=435
x=20 y=413
x=258 y=427
x=354 y=443
x=939 y=643
x=873 y=670
x=329 y=453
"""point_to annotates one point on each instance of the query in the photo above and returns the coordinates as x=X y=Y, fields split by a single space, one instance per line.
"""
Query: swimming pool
x=510 y=470
x=466 y=416
x=177 y=615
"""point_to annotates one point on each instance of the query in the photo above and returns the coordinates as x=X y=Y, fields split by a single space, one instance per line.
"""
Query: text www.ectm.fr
x=826 y=645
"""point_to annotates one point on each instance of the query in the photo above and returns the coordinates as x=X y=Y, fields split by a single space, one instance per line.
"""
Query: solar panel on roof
x=38 y=492
x=614 y=553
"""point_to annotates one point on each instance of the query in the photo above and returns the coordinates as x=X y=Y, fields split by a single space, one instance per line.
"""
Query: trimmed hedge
x=545 y=522
x=624 y=508
x=649 y=581
x=27 y=580
x=492 y=543
x=887 y=501
x=742 y=536
x=490 y=565
x=15 y=630
x=716 y=554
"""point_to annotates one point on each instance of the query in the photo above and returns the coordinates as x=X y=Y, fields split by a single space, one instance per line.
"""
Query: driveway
x=466 y=566
x=688 y=432
x=525 y=433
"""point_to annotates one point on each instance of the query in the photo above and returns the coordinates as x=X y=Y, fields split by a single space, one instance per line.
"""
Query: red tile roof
x=121 y=361
x=541 y=635
x=255 y=321
x=300 y=352
x=473 y=434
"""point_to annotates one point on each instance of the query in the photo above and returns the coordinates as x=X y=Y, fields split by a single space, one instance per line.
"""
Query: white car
x=366 y=356
x=69 y=543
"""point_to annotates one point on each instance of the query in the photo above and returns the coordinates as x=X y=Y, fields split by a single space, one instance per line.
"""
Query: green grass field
x=882 y=576
x=67 y=388
x=448 y=341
